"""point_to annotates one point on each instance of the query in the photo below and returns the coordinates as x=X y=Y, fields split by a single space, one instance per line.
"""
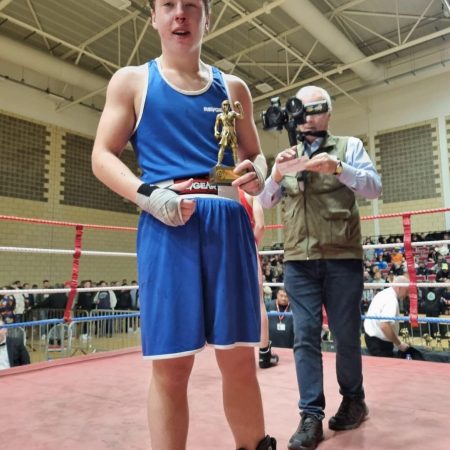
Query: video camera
x=292 y=115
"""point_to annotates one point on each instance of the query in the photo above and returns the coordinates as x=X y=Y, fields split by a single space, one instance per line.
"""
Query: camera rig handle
x=291 y=128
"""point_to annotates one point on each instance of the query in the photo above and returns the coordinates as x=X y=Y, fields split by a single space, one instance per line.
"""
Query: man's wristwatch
x=338 y=170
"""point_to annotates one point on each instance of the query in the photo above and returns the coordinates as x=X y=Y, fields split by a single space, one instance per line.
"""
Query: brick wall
x=408 y=159
x=46 y=174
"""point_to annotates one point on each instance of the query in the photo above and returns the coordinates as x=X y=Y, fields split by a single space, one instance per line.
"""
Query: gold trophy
x=447 y=338
x=438 y=338
x=428 y=339
x=224 y=131
x=404 y=332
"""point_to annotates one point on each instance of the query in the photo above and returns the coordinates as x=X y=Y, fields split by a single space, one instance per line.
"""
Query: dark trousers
x=337 y=284
x=378 y=347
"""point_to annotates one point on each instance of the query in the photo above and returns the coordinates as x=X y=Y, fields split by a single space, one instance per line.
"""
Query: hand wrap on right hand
x=162 y=203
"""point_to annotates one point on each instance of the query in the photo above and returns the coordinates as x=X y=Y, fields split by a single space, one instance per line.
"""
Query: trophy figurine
x=404 y=332
x=428 y=339
x=224 y=131
x=438 y=338
x=447 y=338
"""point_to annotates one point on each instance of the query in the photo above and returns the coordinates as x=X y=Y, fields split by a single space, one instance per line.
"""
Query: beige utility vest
x=321 y=221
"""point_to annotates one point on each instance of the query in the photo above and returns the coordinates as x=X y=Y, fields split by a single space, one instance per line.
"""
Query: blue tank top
x=174 y=137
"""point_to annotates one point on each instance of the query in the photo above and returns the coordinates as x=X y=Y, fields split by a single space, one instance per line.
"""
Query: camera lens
x=274 y=116
x=294 y=106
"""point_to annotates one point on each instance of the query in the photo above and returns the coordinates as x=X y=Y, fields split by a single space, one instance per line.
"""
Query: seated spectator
x=390 y=240
x=397 y=256
x=281 y=328
x=422 y=237
x=7 y=307
x=397 y=269
x=380 y=262
x=12 y=350
x=378 y=278
x=369 y=253
x=415 y=237
x=380 y=251
x=442 y=275
x=439 y=262
x=422 y=269
x=268 y=273
x=442 y=249
x=390 y=277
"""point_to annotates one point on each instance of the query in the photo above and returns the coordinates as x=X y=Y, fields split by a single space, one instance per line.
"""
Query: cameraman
x=324 y=261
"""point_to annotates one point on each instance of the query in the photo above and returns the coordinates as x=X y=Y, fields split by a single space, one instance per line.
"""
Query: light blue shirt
x=358 y=174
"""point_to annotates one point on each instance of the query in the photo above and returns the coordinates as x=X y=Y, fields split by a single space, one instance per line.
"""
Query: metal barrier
x=59 y=340
x=89 y=332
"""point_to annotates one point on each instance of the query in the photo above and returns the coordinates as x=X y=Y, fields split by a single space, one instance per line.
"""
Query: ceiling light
x=119 y=4
x=264 y=88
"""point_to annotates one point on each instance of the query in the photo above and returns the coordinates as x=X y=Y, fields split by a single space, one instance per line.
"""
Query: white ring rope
x=400 y=244
x=67 y=290
x=64 y=252
x=127 y=254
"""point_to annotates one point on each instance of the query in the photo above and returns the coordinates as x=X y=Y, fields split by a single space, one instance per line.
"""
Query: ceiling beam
x=386 y=15
x=331 y=37
x=378 y=35
x=58 y=40
x=295 y=53
x=4 y=4
x=38 y=23
x=417 y=22
x=374 y=57
x=244 y=19
x=102 y=33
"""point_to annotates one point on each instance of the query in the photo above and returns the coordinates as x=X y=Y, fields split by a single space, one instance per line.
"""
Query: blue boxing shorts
x=198 y=283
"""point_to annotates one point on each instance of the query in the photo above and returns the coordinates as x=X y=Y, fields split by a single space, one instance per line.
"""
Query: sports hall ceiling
x=68 y=49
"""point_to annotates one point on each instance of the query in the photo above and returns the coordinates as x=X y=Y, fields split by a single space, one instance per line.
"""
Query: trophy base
x=222 y=175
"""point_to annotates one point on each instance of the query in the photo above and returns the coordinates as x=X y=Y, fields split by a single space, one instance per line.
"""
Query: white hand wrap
x=260 y=168
x=161 y=203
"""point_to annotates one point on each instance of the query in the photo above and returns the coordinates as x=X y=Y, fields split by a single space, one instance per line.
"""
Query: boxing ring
x=97 y=399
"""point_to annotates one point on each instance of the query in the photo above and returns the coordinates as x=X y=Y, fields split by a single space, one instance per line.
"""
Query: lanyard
x=281 y=317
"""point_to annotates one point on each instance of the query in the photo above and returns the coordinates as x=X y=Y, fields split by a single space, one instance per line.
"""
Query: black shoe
x=350 y=415
x=268 y=443
x=267 y=359
x=308 y=435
